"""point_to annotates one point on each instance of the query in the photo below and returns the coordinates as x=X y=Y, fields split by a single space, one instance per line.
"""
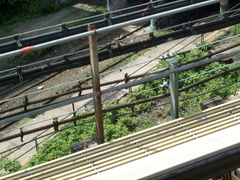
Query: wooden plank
x=92 y=40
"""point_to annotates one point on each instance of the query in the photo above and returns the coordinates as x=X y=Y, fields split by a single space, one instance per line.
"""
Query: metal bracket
x=108 y=19
x=64 y=28
x=17 y=40
x=209 y=54
x=36 y=143
x=202 y=38
x=109 y=48
x=225 y=18
x=22 y=134
x=67 y=61
x=25 y=103
x=74 y=112
x=79 y=86
x=193 y=31
x=49 y=66
x=126 y=77
x=19 y=72
x=153 y=38
x=165 y=84
x=55 y=123
x=189 y=26
x=151 y=7
x=132 y=109
x=119 y=47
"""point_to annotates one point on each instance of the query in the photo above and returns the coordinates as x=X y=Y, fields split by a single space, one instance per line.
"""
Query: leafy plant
x=14 y=10
x=8 y=165
x=24 y=121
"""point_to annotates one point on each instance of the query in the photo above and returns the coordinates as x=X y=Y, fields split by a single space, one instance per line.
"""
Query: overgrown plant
x=9 y=166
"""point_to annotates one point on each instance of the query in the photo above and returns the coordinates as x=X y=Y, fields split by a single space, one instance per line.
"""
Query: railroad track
x=107 y=156
x=27 y=85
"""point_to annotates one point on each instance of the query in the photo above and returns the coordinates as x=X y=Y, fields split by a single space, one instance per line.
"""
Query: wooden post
x=96 y=84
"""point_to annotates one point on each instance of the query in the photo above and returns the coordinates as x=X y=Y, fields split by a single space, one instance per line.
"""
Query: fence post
x=96 y=84
x=74 y=112
x=36 y=144
x=173 y=85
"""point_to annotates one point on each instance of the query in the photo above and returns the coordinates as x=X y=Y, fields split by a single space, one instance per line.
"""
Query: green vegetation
x=97 y=11
x=24 y=59
x=8 y=165
x=185 y=109
x=159 y=33
x=121 y=122
x=24 y=121
x=17 y=10
x=234 y=30
x=114 y=126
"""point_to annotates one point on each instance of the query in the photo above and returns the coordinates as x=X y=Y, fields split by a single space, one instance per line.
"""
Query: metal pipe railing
x=105 y=29
x=64 y=31
x=123 y=86
x=77 y=61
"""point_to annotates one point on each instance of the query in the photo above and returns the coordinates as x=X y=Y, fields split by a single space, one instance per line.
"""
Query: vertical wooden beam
x=96 y=84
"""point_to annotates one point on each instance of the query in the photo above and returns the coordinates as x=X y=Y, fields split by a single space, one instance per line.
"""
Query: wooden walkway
x=109 y=155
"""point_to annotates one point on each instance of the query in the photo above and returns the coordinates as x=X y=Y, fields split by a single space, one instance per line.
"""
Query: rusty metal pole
x=96 y=84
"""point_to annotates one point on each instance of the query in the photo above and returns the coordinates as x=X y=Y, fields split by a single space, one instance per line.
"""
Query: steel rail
x=123 y=86
x=220 y=119
x=84 y=60
x=64 y=31
x=77 y=88
x=131 y=105
x=106 y=29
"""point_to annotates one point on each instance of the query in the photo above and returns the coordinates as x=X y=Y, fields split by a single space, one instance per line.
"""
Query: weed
x=24 y=121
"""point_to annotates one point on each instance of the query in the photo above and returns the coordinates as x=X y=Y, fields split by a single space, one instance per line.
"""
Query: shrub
x=14 y=10
x=8 y=165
